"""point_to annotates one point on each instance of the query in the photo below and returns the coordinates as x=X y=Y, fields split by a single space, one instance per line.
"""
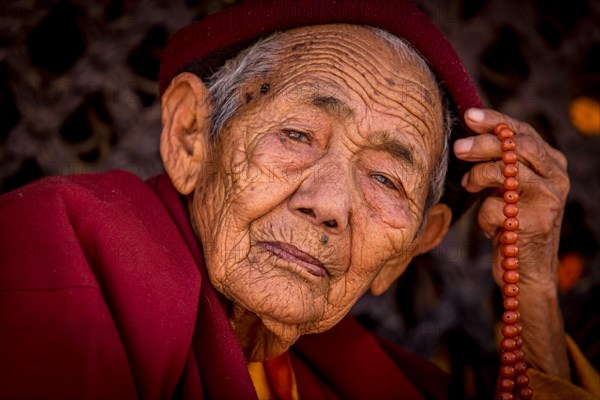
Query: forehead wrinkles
x=370 y=68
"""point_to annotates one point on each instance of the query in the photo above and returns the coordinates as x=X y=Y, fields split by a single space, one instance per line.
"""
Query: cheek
x=381 y=207
x=284 y=159
x=267 y=173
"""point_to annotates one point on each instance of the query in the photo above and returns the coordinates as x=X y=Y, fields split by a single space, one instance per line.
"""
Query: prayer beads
x=513 y=382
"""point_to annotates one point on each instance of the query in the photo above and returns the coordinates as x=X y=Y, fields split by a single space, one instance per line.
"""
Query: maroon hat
x=231 y=29
x=210 y=42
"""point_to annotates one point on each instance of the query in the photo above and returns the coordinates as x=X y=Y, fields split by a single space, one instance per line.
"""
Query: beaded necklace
x=513 y=382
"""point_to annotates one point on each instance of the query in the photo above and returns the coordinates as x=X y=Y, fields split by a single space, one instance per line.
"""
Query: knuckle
x=547 y=225
x=526 y=127
x=564 y=186
x=488 y=172
x=562 y=159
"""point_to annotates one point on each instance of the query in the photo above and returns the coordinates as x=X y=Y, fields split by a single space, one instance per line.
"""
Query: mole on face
x=264 y=88
x=390 y=81
x=324 y=239
x=249 y=97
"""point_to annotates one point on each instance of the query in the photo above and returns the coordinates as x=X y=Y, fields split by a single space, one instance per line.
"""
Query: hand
x=543 y=189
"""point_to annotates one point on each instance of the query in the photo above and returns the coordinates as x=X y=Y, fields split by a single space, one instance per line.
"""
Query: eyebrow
x=385 y=141
x=332 y=105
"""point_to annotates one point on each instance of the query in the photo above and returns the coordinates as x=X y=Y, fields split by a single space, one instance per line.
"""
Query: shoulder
x=97 y=286
x=54 y=228
x=109 y=186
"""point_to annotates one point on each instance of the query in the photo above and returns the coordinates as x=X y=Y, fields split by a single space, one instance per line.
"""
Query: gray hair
x=225 y=88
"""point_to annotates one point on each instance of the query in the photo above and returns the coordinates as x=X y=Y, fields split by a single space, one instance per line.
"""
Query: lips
x=291 y=253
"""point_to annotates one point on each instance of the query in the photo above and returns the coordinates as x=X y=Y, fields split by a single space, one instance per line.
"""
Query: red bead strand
x=513 y=382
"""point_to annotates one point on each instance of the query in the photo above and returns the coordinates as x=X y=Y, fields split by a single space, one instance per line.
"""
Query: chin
x=275 y=294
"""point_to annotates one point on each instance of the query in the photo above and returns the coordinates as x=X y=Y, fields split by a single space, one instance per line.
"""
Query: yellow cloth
x=264 y=391
x=259 y=379
x=586 y=384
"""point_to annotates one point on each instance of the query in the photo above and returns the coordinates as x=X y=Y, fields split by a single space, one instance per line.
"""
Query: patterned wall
x=78 y=94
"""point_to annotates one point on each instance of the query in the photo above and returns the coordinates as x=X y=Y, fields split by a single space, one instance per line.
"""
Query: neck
x=257 y=338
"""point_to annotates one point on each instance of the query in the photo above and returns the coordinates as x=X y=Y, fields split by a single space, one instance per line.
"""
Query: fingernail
x=463 y=145
x=464 y=179
x=475 y=114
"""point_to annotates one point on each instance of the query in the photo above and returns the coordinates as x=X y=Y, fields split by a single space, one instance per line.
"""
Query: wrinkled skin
x=306 y=162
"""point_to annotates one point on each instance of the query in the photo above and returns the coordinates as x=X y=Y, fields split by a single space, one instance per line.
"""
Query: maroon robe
x=104 y=294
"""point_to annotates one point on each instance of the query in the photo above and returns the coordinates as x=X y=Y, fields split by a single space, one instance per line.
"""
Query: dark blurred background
x=78 y=93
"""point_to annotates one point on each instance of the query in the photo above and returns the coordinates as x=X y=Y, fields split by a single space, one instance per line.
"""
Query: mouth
x=291 y=253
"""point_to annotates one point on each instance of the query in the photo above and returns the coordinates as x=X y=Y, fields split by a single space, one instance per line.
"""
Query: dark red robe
x=104 y=294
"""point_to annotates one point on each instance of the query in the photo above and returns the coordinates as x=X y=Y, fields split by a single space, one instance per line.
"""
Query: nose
x=324 y=198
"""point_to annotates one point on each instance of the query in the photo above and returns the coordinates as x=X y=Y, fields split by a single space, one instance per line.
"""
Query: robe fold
x=104 y=294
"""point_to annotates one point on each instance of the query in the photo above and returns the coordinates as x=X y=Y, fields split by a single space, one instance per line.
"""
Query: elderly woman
x=308 y=169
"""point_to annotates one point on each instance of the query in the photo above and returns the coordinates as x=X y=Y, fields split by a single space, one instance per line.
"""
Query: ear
x=432 y=233
x=184 y=141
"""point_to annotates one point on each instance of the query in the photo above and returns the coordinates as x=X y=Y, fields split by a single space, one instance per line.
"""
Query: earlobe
x=433 y=232
x=184 y=141
x=435 y=229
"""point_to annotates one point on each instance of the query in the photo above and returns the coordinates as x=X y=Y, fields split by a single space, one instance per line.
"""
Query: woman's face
x=320 y=179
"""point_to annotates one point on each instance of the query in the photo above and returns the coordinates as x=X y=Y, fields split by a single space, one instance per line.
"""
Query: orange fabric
x=549 y=387
x=281 y=377
x=274 y=379
x=259 y=379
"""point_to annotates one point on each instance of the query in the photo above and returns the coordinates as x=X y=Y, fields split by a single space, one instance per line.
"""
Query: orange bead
x=511 y=183
x=508 y=144
x=511 y=304
x=510 y=317
x=525 y=393
x=511 y=210
x=519 y=341
x=509 y=157
x=520 y=367
x=498 y=128
x=511 y=290
x=503 y=132
x=511 y=224
x=510 y=170
x=519 y=328
x=511 y=197
x=510 y=250
x=518 y=352
x=509 y=237
x=508 y=344
x=507 y=371
x=506 y=384
x=521 y=380
x=508 y=358
x=505 y=396
x=511 y=277
x=510 y=264
x=509 y=331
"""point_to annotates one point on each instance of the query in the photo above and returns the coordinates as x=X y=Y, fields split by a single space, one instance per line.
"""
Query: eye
x=384 y=181
x=296 y=136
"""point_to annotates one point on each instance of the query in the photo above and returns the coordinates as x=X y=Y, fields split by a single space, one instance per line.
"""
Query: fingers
x=532 y=150
x=490 y=174
x=484 y=120
x=491 y=216
x=482 y=176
